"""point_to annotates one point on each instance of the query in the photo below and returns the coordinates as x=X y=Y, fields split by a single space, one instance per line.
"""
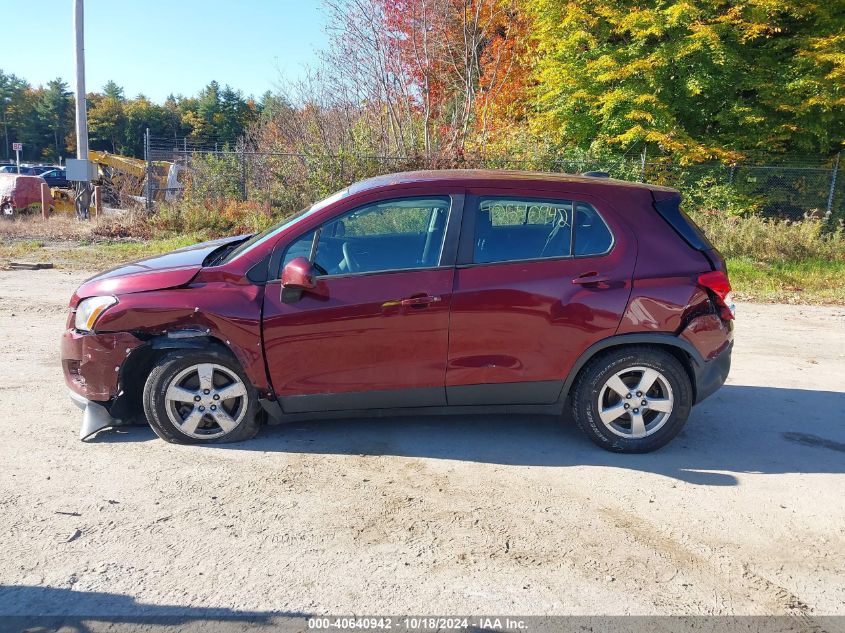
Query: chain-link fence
x=797 y=188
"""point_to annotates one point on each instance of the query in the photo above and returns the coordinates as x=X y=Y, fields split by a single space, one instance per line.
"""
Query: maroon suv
x=431 y=292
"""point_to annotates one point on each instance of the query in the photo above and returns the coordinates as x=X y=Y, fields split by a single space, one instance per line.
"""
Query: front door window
x=391 y=235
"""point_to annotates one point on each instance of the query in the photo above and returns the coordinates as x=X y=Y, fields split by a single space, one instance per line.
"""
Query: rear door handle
x=590 y=278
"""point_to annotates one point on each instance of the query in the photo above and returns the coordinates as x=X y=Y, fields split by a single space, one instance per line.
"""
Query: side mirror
x=297 y=276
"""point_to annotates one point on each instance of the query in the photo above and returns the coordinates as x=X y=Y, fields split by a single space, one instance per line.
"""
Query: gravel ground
x=742 y=514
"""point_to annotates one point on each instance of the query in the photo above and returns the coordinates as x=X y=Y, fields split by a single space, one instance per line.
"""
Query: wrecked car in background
x=19 y=194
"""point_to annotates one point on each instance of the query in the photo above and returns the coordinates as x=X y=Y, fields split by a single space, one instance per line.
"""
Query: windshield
x=260 y=238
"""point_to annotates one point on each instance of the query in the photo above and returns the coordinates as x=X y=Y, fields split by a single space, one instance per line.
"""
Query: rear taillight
x=717 y=282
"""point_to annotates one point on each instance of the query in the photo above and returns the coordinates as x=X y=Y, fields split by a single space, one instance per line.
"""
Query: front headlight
x=89 y=310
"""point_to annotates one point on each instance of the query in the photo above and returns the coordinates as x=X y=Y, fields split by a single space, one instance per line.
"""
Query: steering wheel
x=352 y=264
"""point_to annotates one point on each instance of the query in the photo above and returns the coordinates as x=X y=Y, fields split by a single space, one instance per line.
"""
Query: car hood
x=168 y=270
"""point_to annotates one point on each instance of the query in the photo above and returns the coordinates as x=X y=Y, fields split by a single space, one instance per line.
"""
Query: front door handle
x=590 y=278
x=419 y=302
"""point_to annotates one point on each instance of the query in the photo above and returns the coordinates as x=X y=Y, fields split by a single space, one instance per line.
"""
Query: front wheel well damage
x=127 y=406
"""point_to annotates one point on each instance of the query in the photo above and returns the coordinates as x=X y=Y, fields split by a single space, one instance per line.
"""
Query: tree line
x=42 y=118
x=450 y=80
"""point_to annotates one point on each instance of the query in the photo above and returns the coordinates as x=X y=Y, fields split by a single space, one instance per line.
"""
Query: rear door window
x=516 y=229
x=512 y=229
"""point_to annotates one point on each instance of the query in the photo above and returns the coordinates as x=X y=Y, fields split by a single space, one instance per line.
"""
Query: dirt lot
x=742 y=514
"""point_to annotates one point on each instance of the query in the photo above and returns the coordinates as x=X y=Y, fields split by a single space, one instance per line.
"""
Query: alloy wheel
x=206 y=401
x=635 y=402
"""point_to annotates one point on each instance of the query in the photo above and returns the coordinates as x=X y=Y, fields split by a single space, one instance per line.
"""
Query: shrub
x=215 y=176
x=709 y=195
x=211 y=218
x=771 y=240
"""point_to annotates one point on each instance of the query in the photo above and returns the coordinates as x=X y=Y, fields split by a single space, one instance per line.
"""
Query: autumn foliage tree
x=460 y=56
x=506 y=78
x=698 y=79
x=423 y=72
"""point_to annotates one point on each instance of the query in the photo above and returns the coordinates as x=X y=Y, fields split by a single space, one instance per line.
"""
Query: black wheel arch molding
x=705 y=376
x=132 y=373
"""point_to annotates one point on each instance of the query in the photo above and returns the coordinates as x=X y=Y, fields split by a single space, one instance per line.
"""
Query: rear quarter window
x=592 y=236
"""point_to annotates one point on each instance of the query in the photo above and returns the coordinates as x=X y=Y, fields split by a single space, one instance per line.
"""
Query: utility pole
x=83 y=188
x=5 y=127
x=149 y=167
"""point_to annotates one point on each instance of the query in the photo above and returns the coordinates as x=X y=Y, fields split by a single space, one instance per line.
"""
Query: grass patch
x=64 y=227
x=815 y=281
x=770 y=240
x=87 y=255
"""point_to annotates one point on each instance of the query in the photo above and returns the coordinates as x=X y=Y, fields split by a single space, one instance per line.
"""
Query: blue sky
x=159 y=47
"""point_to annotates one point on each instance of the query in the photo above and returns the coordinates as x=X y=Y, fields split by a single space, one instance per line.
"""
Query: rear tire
x=633 y=399
x=200 y=397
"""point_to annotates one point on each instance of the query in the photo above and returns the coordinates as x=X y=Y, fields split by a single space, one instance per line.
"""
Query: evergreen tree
x=113 y=91
x=55 y=111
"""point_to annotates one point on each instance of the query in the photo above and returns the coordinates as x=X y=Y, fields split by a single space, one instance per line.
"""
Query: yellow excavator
x=123 y=180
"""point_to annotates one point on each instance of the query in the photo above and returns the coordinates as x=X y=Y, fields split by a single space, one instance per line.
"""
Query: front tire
x=632 y=400
x=200 y=397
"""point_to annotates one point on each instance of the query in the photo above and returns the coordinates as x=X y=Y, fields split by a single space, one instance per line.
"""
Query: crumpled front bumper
x=91 y=364
x=95 y=416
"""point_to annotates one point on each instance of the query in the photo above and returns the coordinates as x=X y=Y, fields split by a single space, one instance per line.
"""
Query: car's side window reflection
x=400 y=234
